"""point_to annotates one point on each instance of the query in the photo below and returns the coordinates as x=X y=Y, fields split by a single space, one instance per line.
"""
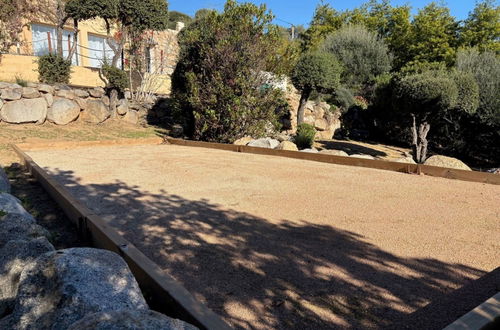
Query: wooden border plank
x=441 y=172
x=164 y=293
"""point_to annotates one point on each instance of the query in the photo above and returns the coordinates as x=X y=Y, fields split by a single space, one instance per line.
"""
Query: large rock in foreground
x=19 y=227
x=95 y=112
x=448 y=162
x=60 y=288
x=24 y=111
x=130 y=320
x=63 y=112
x=11 y=205
x=14 y=256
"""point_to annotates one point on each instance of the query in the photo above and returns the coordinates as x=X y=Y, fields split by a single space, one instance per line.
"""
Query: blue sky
x=301 y=11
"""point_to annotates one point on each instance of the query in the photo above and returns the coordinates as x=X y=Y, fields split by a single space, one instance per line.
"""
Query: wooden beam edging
x=163 y=292
x=441 y=172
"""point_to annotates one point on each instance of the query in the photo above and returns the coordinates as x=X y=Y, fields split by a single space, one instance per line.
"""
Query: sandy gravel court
x=276 y=243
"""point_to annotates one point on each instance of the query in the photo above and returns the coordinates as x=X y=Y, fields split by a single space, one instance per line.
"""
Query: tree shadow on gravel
x=257 y=274
x=352 y=148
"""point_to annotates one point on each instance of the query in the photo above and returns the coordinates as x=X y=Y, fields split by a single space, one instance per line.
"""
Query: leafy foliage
x=482 y=27
x=304 y=137
x=318 y=71
x=363 y=55
x=53 y=69
x=219 y=84
x=176 y=16
x=485 y=67
x=433 y=35
x=115 y=77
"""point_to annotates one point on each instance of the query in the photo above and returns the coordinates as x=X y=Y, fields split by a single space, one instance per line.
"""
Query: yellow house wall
x=24 y=66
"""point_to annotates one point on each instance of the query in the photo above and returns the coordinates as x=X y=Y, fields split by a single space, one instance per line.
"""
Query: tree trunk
x=302 y=105
x=420 y=143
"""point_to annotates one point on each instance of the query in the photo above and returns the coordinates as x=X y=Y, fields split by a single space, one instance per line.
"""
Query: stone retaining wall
x=62 y=105
x=79 y=288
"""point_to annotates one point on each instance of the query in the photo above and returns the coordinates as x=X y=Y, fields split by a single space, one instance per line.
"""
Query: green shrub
x=362 y=53
x=343 y=98
x=218 y=85
x=305 y=136
x=21 y=82
x=115 y=78
x=53 y=69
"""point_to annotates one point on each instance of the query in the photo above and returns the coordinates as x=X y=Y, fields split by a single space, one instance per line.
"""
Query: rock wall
x=61 y=105
x=79 y=288
x=318 y=114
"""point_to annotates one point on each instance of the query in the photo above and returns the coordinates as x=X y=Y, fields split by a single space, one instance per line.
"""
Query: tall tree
x=434 y=35
x=482 y=28
x=325 y=21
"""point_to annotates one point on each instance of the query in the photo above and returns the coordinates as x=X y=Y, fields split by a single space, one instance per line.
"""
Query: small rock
x=131 y=117
x=46 y=89
x=95 y=112
x=11 y=205
x=362 y=156
x=63 y=112
x=81 y=93
x=448 y=162
x=287 y=145
x=14 y=256
x=122 y=107
x=67 y=94
x=25 y=111
x=4 y=181
x=62 y=287
x=321 y=124
x=127 y=95
x=243 y=141
x=18 y=226
x=264 y=143
x=1 y=104
x=49 y=99
x=82 y=103
x=283 y=137
x=5 y=85
x=406 y=160
x=334 y=152
x=11 y=94
x=177 y=131
x=310 y=150
x=130 y=320
x=105 y=100
x=30 y=93
x=96 y=92
x=32 y=84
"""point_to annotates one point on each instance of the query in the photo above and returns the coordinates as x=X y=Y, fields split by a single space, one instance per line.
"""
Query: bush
x=305 y=136
x=53 y=69
x=219 y=83
x=115 y=78
x=363 y=55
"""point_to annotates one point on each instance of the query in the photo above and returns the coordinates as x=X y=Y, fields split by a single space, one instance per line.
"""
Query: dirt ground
x=276 y=243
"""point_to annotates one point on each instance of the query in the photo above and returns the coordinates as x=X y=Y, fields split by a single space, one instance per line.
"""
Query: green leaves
x=318 y=71
x=53 y=69
x=482 y=27
x=224 y=63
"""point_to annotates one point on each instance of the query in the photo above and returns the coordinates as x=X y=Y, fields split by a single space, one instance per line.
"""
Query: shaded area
x=352 y=148
x=258 y=274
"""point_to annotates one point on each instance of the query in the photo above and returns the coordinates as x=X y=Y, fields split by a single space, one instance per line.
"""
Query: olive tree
x=362 y=53
x=316 y=71
x=428 y=97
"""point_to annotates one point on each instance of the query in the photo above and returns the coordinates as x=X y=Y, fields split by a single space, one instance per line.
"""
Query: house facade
x=92 y=50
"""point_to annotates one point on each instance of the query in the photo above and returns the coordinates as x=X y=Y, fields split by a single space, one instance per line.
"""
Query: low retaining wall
x=62 y=105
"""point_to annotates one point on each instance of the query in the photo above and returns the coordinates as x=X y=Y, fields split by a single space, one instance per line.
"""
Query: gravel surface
x=276 y=243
